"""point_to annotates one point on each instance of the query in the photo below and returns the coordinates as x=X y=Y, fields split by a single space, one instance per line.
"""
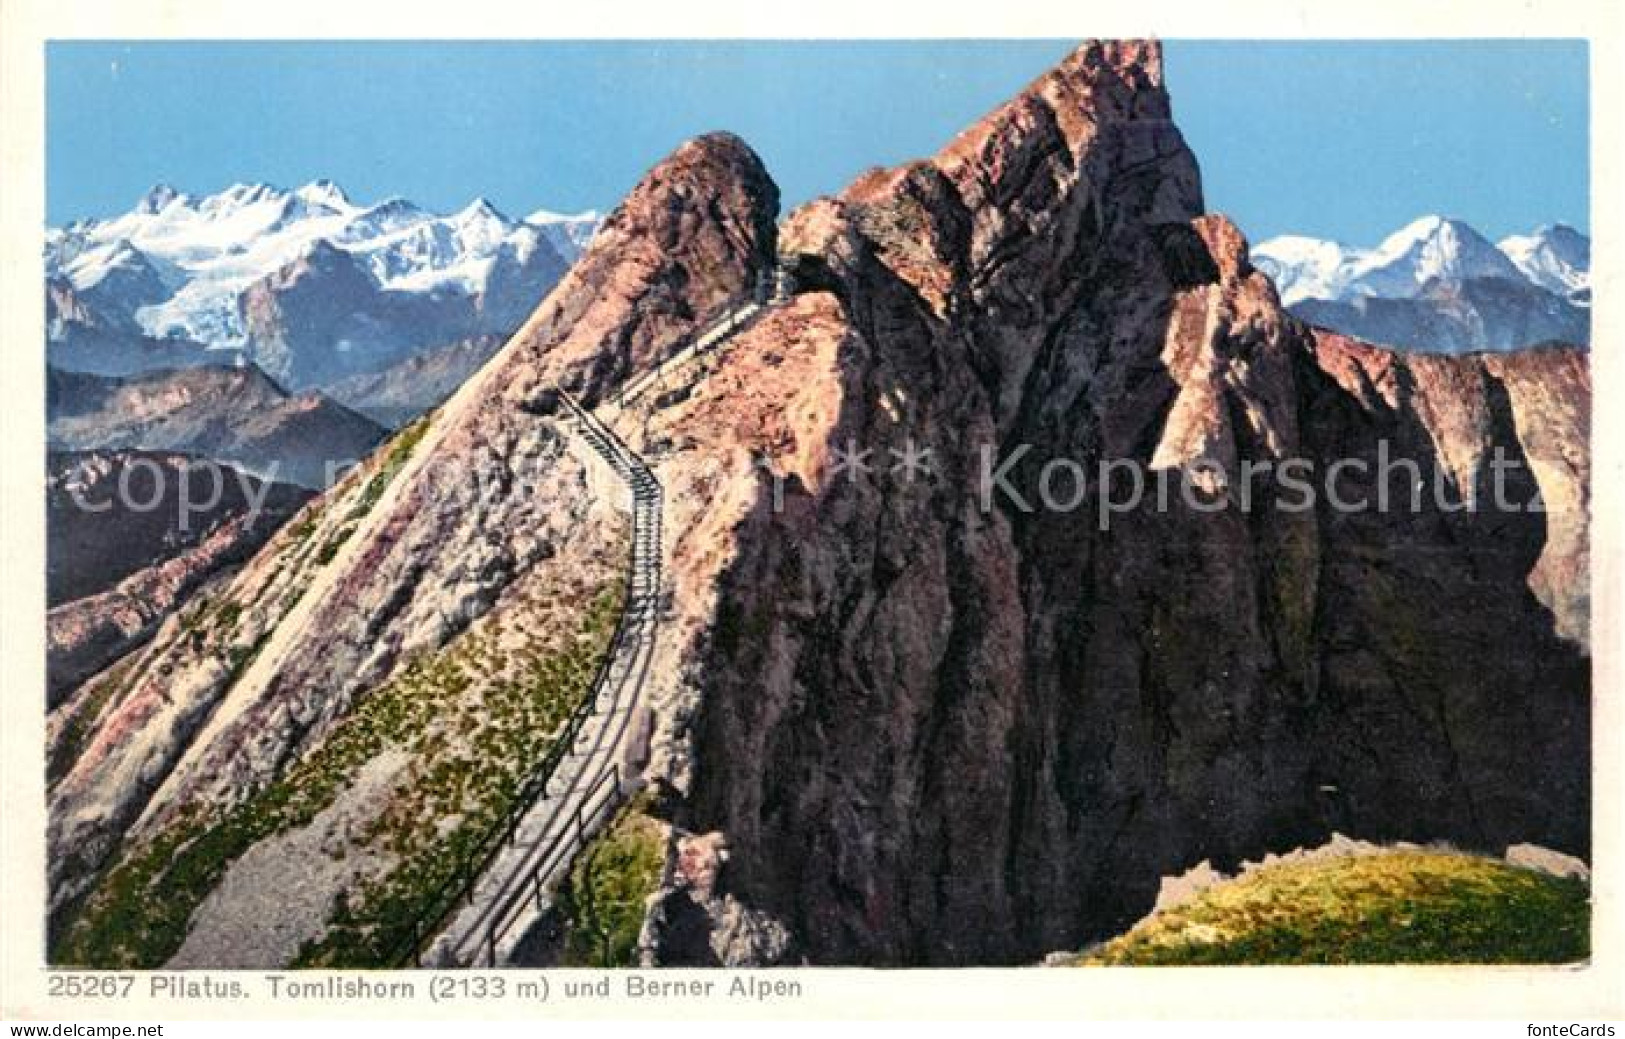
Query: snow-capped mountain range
x=1437 y=284
x=1557 y=258
x=179 y=268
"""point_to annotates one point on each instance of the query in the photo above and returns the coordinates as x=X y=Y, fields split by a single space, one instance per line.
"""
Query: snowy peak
x=325 y=193
x=1438 y=284
x=392 y=214
x=548 y=218
x=195 y=256
x=481 y=211
x=1433 y=248
x=1556 y=257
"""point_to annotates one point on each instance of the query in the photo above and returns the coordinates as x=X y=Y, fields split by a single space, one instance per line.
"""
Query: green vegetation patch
x=384 y=466
x=1394 y=907
x=470 y=755
x=394 y=459
x=601 y=902
x=80 y=724
x=469 y=764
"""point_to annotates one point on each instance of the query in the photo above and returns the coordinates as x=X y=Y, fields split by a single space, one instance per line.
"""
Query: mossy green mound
x=602 y=903
x=1394 y=907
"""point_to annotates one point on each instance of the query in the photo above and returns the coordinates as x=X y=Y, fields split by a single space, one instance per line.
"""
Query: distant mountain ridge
x=395 y=395
x=1437 y=284
x=183 y=279
x=236 y=415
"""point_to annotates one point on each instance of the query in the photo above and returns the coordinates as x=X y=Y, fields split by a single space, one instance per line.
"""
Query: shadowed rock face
x=938 y=734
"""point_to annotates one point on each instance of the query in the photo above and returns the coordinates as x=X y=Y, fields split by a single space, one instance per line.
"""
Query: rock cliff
x=937 y=733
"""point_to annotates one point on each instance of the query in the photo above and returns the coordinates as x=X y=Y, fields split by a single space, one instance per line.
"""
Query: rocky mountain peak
x=1098 y=84
x=719 y=161
x=156 y=199
x=481 y=210
x=688 y=241
x=1081 y=174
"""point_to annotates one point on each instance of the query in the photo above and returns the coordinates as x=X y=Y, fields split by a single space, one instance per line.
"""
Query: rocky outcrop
x=936 y=732
x=697 y=921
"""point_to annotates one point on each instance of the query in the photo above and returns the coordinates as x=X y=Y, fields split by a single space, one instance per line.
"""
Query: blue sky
x=1345 y=140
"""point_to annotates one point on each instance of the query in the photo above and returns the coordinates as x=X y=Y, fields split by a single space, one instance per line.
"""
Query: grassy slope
x=1394 y=907
x=474 y=718
x=139 y=915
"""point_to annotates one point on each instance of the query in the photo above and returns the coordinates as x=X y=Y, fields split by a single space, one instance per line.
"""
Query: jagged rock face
x=935 y=733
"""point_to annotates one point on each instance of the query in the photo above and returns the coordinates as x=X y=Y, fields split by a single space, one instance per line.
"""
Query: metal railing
x=713 y=335
x=603 y=793
x=596 y=808
x=772 y=287
x=458 y=888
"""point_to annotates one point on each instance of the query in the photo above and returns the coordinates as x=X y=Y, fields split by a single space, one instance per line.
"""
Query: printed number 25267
x=89 y=986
